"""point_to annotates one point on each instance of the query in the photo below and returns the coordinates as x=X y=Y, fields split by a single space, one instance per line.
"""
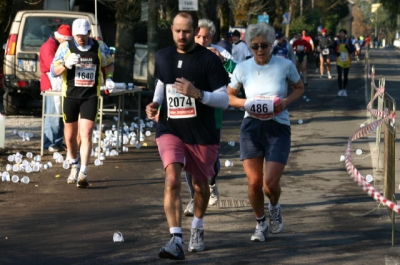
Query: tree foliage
x=391 y=5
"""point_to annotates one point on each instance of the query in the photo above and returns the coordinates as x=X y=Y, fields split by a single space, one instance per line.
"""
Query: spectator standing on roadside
x=79 y=62
x=53 y=126
x=190 y=78
x=265 y=132
x=324 y=47
x=240 y=51
x=343 y=49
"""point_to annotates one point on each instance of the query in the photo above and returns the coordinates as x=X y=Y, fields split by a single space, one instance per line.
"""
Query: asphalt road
x=328 y=218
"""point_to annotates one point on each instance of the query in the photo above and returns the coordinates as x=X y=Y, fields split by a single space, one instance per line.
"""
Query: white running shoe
x=340 y=93
x=214 y=195
x=172 y=250
x=261 y=232
x=189 y=210
x=196 y=242
x=275 y=220
x=82 y=180
x=344 y=94
x=73 y=175
x=329 y=76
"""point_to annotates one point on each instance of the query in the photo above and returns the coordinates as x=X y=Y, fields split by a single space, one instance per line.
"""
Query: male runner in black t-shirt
x=193 y=82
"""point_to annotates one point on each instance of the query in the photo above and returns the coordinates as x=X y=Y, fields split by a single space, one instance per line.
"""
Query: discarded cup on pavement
x=25 y=180
x=369 y=178
x=98 y=162
x=15 y=167
x=118 y=237
x=49 y=164
x=10 y=158
x=5 y=176
x=231 y=143
x=65 y=164
x=36 y=167
x=228 y=163
x=28 y=169
x=29 y=155
x=359 y=151
x=300 y=121
x=18 y=159
x=342 y=158
x=15 y=178
x=37 y=158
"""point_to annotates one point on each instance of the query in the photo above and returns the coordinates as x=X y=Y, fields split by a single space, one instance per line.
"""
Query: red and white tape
x=385 y=116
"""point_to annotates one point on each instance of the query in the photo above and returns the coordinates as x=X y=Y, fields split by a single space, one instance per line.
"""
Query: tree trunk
x=152 y=42
x=224 y=12
x=127 y=17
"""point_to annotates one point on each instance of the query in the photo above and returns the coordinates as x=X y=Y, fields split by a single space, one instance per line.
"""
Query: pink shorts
x=196 y=159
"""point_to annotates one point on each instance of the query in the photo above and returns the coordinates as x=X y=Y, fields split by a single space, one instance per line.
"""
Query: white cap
x=80 y=26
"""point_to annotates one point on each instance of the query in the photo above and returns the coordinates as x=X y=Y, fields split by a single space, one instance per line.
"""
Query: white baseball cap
x=80 y=26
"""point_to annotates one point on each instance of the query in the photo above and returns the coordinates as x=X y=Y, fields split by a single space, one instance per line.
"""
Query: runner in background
x=204 y=38
x=324 y=44
x=307 y=38
x=343 y=49
x=301 y=48
x=282 y=48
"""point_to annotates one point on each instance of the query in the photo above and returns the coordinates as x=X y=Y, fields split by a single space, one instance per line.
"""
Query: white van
x=21 y=69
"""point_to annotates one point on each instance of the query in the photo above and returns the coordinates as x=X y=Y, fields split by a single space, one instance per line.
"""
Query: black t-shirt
x=324 y=42
x=206 y=72
x=89 y=60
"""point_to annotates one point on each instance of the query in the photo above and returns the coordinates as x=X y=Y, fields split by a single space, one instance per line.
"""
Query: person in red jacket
x=53 y=126
x=301 y=48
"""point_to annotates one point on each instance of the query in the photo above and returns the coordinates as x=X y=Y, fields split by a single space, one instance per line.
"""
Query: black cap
x=278 y=35
x=236 y=33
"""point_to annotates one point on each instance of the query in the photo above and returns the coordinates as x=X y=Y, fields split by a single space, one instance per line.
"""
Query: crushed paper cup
x=118 y=237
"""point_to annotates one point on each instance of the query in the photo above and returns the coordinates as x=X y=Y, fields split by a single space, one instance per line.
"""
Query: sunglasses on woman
x=257 y=46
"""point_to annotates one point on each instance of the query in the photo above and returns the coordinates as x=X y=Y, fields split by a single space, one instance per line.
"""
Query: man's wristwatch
x=200 y=96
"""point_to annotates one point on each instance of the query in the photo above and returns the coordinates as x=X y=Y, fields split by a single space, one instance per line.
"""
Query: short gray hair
x=260 y=29
x=208 y=24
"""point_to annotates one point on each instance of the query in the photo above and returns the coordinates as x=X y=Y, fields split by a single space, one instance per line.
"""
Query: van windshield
x=38 y=29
